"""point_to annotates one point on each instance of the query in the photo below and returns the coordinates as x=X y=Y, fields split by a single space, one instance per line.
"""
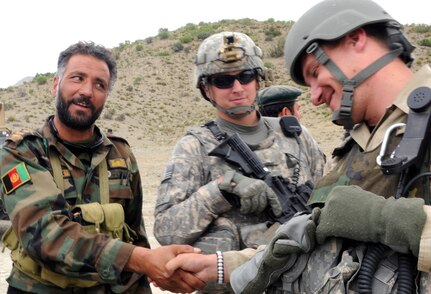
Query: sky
x=33 y=33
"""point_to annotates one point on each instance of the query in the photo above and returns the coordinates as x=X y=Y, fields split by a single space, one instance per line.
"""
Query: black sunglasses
x=226 y=81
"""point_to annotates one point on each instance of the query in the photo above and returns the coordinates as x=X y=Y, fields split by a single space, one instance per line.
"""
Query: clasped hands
x=152 y=263
x=349 y=212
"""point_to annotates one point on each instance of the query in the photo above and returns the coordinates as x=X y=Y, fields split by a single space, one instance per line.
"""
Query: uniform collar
x=53 y=140
x=395 y=113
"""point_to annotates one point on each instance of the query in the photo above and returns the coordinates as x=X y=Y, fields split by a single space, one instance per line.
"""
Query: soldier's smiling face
x=82 y=91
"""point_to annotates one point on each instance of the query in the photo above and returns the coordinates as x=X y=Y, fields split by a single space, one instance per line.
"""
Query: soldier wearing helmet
x=360 y=237
x=215 y=205
x=227 y=53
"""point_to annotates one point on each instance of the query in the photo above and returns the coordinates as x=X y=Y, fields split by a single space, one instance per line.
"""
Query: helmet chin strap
x=343 y=116
x=233 y=111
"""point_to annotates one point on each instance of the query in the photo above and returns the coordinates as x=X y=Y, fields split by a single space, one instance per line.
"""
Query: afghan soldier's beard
x=78 y=122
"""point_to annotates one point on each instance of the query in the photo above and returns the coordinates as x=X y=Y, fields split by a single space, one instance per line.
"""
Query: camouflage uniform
x=359 y=168
x=314 y=42
x=333 y=266
x=42 y=217
x=187 y=187
x=189 y=195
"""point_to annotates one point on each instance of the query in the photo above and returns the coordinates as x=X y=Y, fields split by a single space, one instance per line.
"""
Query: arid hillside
x=154 y=100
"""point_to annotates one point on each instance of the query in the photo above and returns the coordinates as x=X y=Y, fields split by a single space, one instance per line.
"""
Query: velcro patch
x=167 y=174
x=117 y=163
x=15 y=178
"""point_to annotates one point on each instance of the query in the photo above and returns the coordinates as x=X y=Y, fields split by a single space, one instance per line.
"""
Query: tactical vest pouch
x=104 y=218
x=95 y=218
x=26 y=264
x=9 y=240
x=221 y=235
x=255 y=235
x=90 y=216
x=114 y=220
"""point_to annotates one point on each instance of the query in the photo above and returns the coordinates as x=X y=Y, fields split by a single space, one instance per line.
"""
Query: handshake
x=349 y=212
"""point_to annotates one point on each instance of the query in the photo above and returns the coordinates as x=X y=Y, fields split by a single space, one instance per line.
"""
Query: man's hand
x=254 y=194
x=151 y=262
x=286 y=249
x=202 y=266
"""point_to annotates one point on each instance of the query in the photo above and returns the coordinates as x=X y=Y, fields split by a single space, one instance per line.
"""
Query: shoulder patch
x=15 y=178
x=168 y=172
x=117 y=163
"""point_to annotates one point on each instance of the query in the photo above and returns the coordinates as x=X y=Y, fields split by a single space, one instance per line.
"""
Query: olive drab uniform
x=184 y=190
x=333 y=267
x=75 y=215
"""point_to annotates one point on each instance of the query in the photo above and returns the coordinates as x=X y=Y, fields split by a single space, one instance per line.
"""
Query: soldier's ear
x=286 y=111
x=55 y=84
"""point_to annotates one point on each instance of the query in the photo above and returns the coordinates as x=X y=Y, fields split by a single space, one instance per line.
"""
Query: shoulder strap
x=274 y=122
x=215 y=130
x=103 y=176
x=56 y=169
x=103 y=182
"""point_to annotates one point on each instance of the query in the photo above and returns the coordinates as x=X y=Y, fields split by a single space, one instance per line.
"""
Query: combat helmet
x=227 y=52
x=332 y=19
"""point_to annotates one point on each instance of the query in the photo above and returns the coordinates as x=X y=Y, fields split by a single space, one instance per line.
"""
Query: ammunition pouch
x=94 y=218
x=104 y=218
x=252 y=236
x=221 y=235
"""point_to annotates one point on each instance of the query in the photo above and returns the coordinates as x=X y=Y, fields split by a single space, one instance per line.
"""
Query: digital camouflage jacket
x=47 y=229
x=188 y=197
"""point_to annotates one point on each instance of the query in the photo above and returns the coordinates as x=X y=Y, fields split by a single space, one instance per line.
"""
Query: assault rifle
x=292 y=199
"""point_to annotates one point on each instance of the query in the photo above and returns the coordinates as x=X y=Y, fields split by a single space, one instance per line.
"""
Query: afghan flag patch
x=15 y=178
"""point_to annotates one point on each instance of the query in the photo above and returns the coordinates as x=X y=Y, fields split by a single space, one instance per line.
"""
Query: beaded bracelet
x=220 y=268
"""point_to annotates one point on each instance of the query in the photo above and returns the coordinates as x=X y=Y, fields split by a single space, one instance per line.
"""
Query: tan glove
x=254 y=194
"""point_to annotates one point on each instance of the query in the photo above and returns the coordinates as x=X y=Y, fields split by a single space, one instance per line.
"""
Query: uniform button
x=105 y=273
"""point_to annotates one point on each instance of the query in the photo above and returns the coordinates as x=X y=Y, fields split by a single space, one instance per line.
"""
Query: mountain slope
x=154 y=100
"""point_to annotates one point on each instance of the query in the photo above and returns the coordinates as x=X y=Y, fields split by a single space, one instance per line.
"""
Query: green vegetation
x=155 y=98
x=42 y=79
x=421 y=28
x=425 y=42
x=163 y=34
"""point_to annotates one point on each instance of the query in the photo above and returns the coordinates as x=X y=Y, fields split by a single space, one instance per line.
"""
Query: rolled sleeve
x=113 y=259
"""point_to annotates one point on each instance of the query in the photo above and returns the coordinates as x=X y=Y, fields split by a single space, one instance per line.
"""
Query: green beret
x=277 y=94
